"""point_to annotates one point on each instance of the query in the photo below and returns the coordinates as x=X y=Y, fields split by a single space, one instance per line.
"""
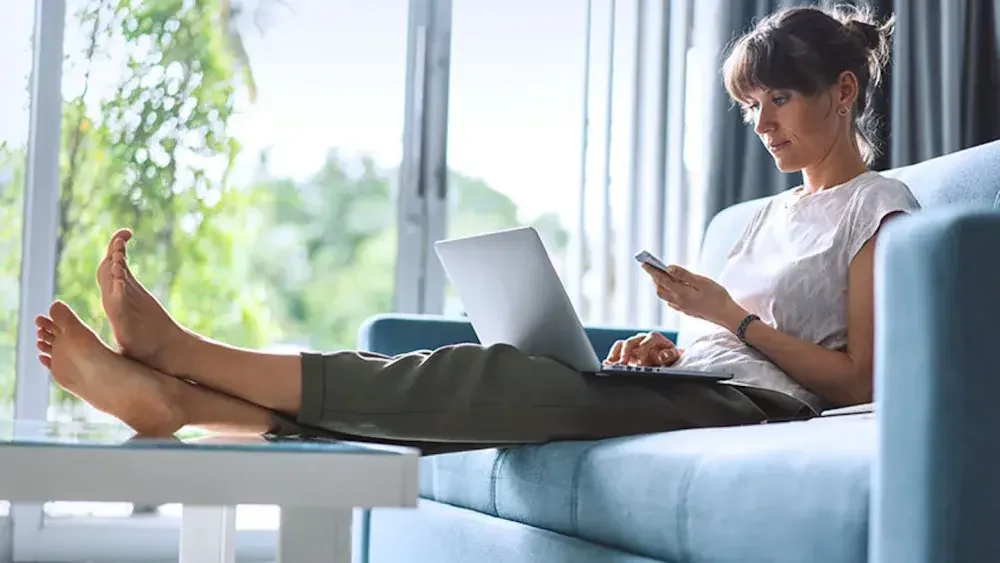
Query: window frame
x=100 y=539
x=38 y=243
x=421 y=220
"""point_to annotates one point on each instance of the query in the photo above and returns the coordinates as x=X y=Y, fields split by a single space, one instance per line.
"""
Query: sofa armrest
x=936 y=479
x=398 y=333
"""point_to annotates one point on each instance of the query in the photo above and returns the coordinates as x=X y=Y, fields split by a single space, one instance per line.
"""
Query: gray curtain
x=740 y=168
x=945 y=86
x=940 y=95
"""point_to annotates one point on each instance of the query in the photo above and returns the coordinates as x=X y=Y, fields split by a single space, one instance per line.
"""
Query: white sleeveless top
x=790 y=267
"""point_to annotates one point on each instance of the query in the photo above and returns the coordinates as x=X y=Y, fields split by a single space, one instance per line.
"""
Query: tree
x=154 y=154
x=272 y=261
x=11 y=179
x=329 y=252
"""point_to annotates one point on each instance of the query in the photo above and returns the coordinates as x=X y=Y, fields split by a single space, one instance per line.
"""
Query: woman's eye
x=779 y=100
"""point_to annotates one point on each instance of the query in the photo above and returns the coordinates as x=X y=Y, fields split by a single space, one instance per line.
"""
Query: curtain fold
x=946 y=78
x=739 y=167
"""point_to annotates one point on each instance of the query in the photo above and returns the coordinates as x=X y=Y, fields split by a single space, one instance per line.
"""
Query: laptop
x=512 y=295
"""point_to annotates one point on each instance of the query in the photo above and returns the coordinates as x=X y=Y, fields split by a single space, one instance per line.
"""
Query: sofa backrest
x=968 y=177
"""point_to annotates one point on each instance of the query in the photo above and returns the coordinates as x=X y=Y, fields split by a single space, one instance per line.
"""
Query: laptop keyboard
x=634 y=369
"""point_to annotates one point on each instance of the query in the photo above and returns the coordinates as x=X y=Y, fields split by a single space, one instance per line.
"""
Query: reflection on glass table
x=316 y=483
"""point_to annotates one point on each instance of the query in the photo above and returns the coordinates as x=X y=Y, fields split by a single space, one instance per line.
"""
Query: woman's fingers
x=659 y=278
x=682 y=276
x=650 y=348
x=669 y=356
x=615 y=355
x=645 y=345
x=649 y=356
x=674 y=276
x=668 y=295
x=630 y=348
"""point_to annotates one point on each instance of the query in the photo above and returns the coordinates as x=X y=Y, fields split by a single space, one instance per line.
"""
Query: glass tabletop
x=102 y=435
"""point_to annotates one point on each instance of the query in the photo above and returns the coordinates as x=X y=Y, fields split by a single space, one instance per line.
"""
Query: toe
x=45 y=360
x=44 y=347
x=62 y=315
x=45 y=323
x=121 y=272
x=119 y=239
x=46 y=336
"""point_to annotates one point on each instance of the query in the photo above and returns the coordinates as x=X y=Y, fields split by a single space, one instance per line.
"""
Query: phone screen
x=645 y=257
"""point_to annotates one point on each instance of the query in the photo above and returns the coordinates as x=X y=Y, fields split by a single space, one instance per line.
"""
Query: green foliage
x=11 y=203
x=155 y=156
x=265 y=262
x=328 y=251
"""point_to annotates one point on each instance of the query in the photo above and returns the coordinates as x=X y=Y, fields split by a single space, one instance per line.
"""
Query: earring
x=842 y=112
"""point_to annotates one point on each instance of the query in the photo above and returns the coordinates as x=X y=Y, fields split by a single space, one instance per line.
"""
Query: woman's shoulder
x=876 y=197
x=874 y=190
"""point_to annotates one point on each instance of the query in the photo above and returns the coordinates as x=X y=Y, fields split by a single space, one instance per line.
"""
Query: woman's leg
x=216 y=412
x=147 y=333
x=152 y=403
x=460 y=394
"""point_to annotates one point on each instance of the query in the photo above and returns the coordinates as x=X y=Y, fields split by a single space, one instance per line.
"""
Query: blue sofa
x=912 y=483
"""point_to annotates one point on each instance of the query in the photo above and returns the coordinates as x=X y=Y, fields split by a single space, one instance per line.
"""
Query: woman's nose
x=764 y=122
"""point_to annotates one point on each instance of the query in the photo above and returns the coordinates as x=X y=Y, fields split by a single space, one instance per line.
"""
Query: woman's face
x=797 y=129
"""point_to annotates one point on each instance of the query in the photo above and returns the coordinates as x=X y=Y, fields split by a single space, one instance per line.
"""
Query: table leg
x=208 y=534
x=314 y=535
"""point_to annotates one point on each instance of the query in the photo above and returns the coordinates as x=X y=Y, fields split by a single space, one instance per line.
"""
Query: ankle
x=176 y=355
x=177 y=393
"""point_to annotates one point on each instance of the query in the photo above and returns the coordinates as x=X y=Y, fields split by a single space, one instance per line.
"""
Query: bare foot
x=83 y=365
x=143 y=329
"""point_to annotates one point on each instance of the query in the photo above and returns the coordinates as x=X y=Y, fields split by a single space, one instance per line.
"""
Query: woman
x=791 y=316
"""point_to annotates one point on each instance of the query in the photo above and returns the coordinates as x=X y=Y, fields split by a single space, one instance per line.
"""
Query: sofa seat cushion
x=778 y=492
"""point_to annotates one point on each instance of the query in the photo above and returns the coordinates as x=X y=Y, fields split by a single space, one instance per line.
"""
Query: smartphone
x=646 y=257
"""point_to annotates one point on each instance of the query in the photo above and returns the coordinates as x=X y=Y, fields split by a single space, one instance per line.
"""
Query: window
x=263 y=152
x=522 y=84
x=515 y=117
x=15 y=67
x=258 y=177
x=255 y=156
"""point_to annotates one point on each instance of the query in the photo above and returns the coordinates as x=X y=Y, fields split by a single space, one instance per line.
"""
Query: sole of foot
x=142 y=327
x=82 y=363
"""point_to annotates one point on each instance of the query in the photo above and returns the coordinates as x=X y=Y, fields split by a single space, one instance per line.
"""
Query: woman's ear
x=846 y=90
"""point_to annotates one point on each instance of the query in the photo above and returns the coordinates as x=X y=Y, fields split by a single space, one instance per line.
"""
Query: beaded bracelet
x=741 y=331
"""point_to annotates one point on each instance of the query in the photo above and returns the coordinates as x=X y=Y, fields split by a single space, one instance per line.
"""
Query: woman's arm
x=844 y=378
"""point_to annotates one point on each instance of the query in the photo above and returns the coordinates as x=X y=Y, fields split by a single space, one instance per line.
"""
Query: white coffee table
x=316 y=484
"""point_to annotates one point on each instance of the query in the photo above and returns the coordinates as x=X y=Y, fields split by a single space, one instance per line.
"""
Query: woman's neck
x=840 y=165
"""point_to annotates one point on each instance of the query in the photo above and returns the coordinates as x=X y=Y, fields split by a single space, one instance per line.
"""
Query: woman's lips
x=776 y=147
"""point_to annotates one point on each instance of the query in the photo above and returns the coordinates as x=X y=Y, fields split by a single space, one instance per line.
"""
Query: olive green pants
x=468 y=396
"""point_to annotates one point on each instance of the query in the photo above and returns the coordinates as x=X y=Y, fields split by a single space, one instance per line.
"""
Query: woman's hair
x=805 y=49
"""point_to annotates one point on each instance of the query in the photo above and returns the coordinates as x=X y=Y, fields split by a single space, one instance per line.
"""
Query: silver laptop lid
x=513 y=295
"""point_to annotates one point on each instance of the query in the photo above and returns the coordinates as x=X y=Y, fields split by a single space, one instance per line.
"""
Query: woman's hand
x=650 y=349
x=695 y=295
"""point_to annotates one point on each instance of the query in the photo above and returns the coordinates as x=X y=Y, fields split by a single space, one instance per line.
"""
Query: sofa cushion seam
x=494 y=478
x=574 y=520
x=684 y=491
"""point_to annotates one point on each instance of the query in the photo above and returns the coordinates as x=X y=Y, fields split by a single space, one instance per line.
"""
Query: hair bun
x=870 y=35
